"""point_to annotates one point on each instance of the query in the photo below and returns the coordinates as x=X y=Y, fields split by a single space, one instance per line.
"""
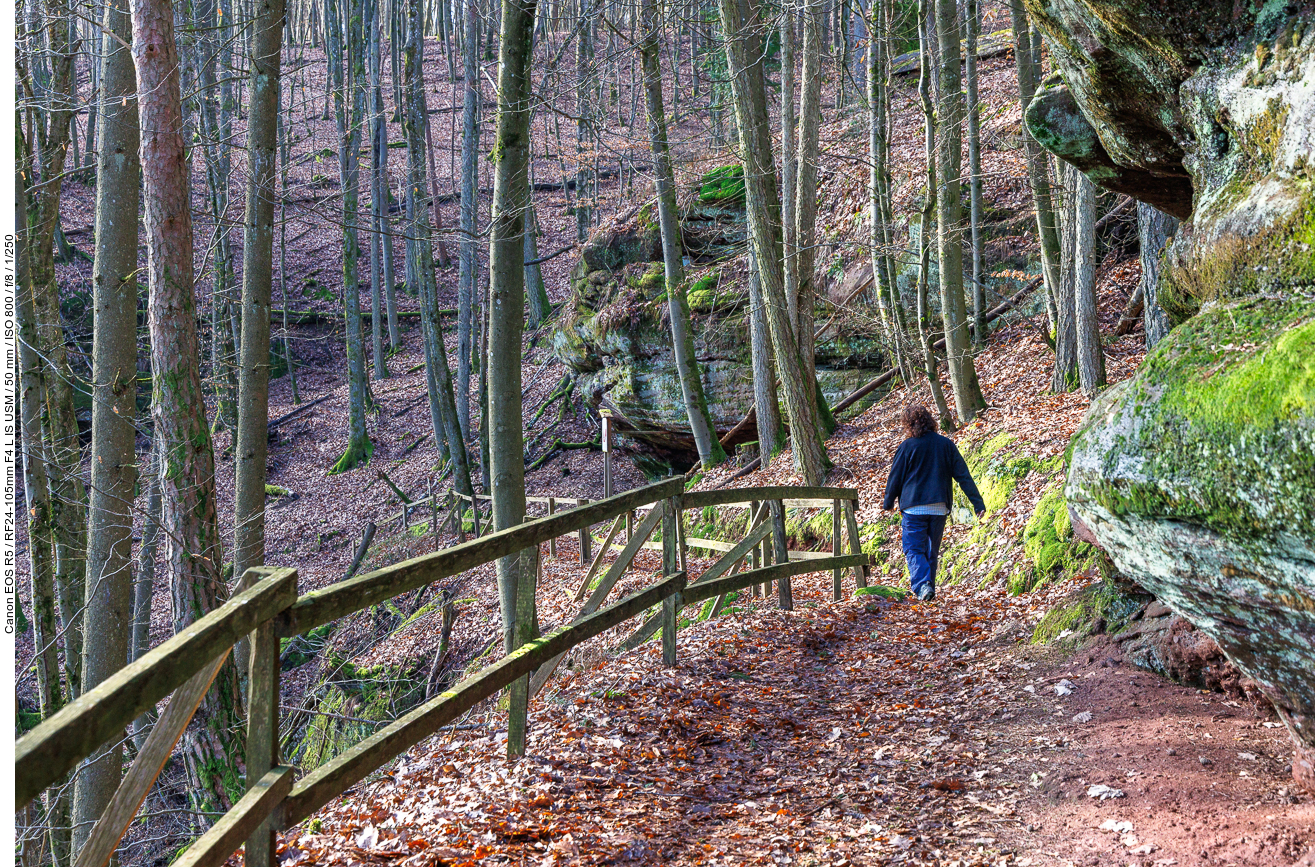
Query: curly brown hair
x=916 y=420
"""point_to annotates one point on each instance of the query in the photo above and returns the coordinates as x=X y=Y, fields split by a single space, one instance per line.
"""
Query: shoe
x=927 y=594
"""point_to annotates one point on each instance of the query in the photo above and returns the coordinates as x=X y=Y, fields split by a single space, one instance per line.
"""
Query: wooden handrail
x=726 y=496
x=271 y=608
x=55 y=747
x=221 y=841
x=330 y=780
x=322 y=606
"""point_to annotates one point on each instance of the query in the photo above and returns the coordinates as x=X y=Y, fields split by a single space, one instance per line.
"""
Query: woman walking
x=920 y=478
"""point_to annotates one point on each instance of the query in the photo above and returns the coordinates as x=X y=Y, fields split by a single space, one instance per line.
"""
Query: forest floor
x=862 y=731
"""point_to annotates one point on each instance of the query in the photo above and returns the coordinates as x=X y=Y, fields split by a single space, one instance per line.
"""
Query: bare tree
x=691 y=383
x=1090 y=358
x=1155 y=228
x=213 y=747
x=506 y=325
x=114 y=402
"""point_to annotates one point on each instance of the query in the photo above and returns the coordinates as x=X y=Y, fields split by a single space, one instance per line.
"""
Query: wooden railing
x=267 y=607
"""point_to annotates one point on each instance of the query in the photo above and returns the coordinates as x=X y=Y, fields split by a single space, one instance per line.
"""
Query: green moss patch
x=723 y=186
x=883 y=592
x=1050 y=545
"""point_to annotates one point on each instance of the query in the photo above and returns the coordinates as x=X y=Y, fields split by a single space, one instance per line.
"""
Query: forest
x=455 y=432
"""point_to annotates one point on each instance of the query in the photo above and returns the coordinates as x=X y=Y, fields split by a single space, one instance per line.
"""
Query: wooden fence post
x=585 y=539
x=433 y=516
x=837 y=590
x=527 y=629
x=855 y=545
x=263 y=734
x=552 y=543
x=755 y=556
x=783 y=590
x=671 y=604
x=474 y=511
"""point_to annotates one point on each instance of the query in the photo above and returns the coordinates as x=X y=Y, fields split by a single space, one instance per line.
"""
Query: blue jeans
x=921 y=538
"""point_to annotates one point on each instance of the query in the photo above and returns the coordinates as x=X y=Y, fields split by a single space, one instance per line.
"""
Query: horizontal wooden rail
x=222 y=840
x=55 y=747
x=322 y=606
x=702 y=590
x=332 y=779
x=726 y=496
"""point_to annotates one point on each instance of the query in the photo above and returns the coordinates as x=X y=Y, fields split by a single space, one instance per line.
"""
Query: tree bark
x=1038 y=166
x=687 y=367
x=540 y=306
x=928 y=216
x=506 y=324
x=144 y=585
x=1155 y=229
x=1064 y=376
x=469 y=264
x=968 y=398
x=114 y=403
x=380 y=277
x=257 y=289
x=973 y=17
x=1090 y=358
x=346 y=39
x=744 y=57
x=214 y=744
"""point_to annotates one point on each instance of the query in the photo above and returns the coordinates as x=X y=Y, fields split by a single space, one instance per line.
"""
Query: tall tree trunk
x=114 y=403
x=584 y=99
x=61 y=450
x=973 y=17
x=40 y=521
x=805 y=209
x=1038 y=166
x=144 y=585
x=1154 y=228
x=257 y=289
x=1090 y=358
x=928 y=217
x=346 y=50
x=789 y=162
x=968 y=398
x=442 y=403
x=540 y=306
x=767 y=407
x=1064 y=377
x=506 y=323
x=469 y=264
x=744 y=56
x=682 y=341
x=379 y=236
x=213 y=746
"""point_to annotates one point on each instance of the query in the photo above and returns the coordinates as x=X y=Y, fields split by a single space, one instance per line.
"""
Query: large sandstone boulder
x=615 y=335
x=1198 y=475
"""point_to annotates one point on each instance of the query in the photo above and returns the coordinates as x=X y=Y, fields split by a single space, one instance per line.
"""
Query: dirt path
x=857 y=732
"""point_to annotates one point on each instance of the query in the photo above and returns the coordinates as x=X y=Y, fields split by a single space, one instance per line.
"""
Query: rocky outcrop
x=1197 y=476
x=615 y=336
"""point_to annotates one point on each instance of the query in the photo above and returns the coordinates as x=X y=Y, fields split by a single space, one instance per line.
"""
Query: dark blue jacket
x=922 y=470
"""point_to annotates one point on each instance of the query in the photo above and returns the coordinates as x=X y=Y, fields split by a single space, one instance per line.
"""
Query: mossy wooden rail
x=268 y=608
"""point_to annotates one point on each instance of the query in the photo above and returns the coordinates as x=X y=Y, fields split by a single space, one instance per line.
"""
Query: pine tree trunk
x=682 y=341
x=1154 y=229
x=214 y=744
x=506 y=324
x=345 y=41
x=584 y=97
x=469 y=267
x=744 y=56
x=789 y=163
x=114 y=404
x=968 y=398
x=1090 y=358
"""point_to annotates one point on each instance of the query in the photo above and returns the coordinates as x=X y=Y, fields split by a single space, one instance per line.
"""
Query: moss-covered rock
x=724 y=185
